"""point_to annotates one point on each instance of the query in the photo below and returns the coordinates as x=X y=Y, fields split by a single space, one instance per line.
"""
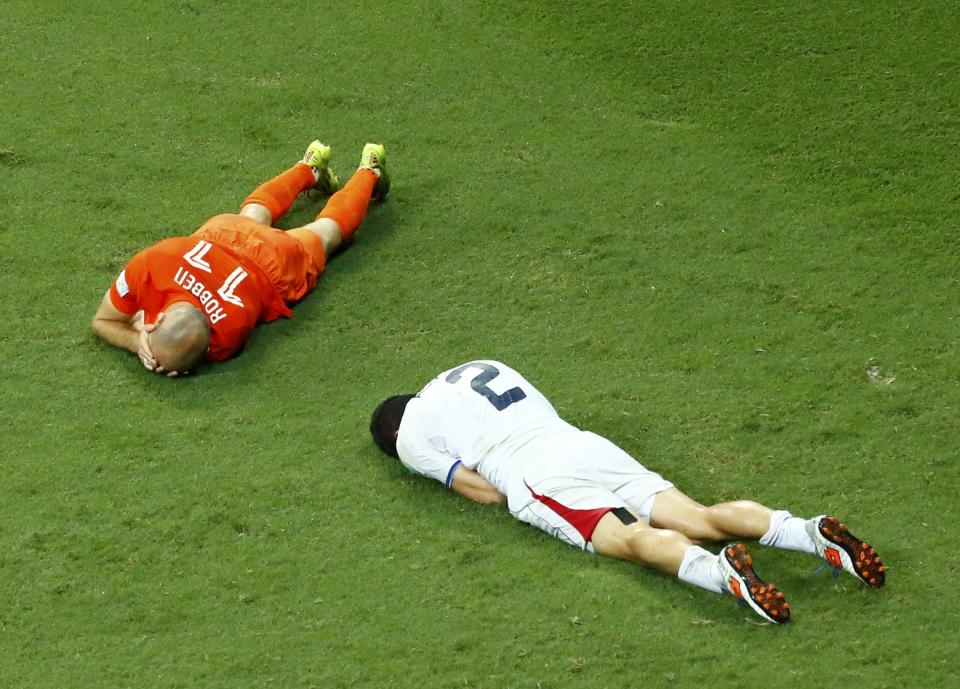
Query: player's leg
x=619 y=534
x=637 y=542
x=272 y=199
x=346 y=209
x=658 y=502
x=702 y=524
x=557 y=495
x=570 y=489
x=823 y=536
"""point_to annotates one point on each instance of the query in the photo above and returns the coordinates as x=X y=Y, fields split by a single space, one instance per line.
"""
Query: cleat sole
x=763 y=597
x=864 y=563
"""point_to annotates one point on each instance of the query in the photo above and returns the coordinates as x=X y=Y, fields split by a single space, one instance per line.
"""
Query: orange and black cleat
x=743 y=582
x=842 y=550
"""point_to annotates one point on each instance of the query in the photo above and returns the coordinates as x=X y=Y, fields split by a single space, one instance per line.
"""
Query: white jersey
x=487 y=417
x=482 y=414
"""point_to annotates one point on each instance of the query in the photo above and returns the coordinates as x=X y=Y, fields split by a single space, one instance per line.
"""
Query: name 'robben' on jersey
x=480 y=414
x=214 y=279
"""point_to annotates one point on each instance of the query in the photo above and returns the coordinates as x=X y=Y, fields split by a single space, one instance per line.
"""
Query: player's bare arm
x=130 y=333
x=124 y=331
x=470 y=484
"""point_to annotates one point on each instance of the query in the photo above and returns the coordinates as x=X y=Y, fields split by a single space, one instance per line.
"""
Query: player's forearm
x=117 y=333
x=487 y=495
x=472 y=485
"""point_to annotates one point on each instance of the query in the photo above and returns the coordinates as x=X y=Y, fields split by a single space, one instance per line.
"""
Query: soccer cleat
x=842 y=550
x=374 y=157
x=318 y=157
x=743 y=582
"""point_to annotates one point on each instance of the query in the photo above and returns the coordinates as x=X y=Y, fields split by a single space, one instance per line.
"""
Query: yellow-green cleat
x=318 y=157
x=374 y=157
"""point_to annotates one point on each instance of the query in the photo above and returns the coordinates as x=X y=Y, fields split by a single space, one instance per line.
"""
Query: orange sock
x=279 y=193
x=349 y=205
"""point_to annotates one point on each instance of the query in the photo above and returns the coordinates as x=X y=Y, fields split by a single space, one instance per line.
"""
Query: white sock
x=701 y=568
x=788 y=532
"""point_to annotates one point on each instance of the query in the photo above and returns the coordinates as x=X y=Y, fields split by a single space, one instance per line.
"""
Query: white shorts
x=571 y=480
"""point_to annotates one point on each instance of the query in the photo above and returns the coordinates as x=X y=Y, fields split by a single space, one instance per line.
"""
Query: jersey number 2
x=479 y=384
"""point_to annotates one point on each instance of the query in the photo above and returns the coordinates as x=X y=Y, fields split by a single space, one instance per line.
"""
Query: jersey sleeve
x=431 y=463
x=123 y=291
x=423 y=449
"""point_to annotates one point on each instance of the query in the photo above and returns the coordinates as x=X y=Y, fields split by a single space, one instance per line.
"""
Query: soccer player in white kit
x=485 y=432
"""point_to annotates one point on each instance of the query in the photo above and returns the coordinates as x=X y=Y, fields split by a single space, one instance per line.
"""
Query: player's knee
x=257 y=212
x=648 y=545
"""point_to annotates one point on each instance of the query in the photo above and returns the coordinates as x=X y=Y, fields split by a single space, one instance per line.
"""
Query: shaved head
x=181 y=339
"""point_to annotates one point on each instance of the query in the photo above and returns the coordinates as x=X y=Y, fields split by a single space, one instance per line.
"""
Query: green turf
x=697 y=229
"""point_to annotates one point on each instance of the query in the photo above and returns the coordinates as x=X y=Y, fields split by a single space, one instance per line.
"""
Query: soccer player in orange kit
x=187 y=299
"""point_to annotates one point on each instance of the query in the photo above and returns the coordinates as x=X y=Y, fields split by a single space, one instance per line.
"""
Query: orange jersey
x=204 y=274
x=237 y=271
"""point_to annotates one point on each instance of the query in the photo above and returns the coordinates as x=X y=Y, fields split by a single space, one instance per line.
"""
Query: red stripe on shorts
x=584 y=521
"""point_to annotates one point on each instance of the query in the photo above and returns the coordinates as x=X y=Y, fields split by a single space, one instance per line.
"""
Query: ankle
x=313 y=170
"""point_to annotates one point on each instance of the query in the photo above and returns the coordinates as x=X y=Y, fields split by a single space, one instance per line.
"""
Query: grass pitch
x=722 y=236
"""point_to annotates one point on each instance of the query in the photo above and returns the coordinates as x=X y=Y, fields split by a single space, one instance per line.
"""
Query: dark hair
x=385 y=422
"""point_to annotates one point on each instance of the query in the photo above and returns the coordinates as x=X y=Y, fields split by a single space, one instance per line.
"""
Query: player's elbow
x=96 y=323
x=102 y=327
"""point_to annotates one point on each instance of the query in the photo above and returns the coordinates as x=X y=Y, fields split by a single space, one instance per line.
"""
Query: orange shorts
x=291 y=261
